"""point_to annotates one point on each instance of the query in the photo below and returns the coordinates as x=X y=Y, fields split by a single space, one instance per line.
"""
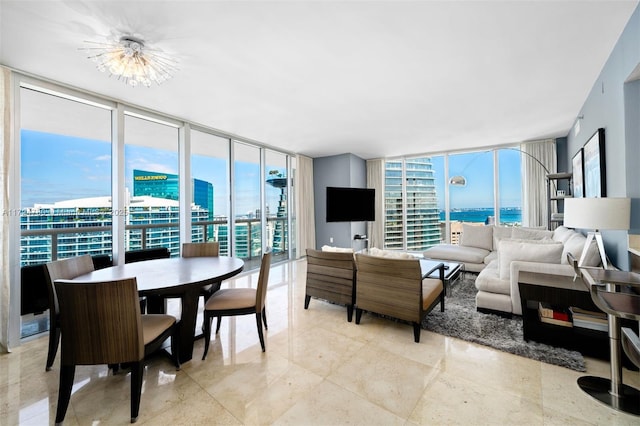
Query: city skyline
x=58 y=167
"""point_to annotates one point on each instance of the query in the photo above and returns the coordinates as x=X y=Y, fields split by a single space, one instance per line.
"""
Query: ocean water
x=510 y=215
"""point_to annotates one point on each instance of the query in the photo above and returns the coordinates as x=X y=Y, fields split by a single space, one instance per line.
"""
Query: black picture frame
x=595 y=183
x=578 y=174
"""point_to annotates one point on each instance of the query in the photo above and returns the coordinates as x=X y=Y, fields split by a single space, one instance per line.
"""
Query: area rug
x=461 y=320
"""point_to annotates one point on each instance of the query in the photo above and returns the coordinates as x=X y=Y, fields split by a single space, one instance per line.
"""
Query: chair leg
x=175 y=346
x=207 y=333
x=349 y=313
x=218 y=324
x=264 y=318
x=358 y=315
x=416 y=332
x=442 y=302
x=306 y=301
x=54 y=340
x=137 y=369
x=259 y=324
x=67 y=372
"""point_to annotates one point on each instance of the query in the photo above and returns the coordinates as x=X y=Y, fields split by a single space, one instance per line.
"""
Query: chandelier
x=131 y=61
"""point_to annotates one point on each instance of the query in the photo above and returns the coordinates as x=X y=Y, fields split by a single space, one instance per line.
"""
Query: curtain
x=5 y=154
x=305 y=206
x=375 y=180
x=534 y=181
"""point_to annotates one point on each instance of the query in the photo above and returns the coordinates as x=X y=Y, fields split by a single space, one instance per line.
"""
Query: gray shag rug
x=461 y=320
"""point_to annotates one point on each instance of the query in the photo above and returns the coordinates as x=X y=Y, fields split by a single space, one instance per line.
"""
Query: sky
x=56 y=167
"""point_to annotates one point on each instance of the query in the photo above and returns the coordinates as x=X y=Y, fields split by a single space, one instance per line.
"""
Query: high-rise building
x=412 y=219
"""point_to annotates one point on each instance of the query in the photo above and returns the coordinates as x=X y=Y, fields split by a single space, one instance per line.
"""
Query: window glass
x=276 y=188
x=151 y=179
x=248 y=214
x=210 y=187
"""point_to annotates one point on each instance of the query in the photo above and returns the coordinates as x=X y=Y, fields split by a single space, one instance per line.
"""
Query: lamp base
x=627 y=401
x=594 y=235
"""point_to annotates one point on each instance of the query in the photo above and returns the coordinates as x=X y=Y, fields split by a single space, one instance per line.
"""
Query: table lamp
x=597 y=214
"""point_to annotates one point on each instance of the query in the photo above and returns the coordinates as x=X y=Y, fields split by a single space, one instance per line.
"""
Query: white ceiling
x=376 y=79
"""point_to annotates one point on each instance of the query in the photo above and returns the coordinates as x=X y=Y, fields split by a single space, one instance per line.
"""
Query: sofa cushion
x=530 y=233
x=545 y=251
x=489 y=280
x=477 y=236
x=491 y=257
x=575 y=245
x=499 y=233
x=456 y=253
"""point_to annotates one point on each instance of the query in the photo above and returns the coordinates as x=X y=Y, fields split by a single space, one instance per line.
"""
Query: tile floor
x=318 y=369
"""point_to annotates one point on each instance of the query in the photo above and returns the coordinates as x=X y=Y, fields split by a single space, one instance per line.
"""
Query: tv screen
x=350 y=204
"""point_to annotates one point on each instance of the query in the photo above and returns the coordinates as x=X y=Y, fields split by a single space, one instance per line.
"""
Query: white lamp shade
x=597 y=213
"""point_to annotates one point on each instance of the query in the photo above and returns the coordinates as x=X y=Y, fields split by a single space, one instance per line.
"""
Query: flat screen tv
x=350 y=204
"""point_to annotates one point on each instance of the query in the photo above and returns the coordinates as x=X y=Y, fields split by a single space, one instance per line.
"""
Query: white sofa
x=479 y=244
x=497 y=284
x=500 y=254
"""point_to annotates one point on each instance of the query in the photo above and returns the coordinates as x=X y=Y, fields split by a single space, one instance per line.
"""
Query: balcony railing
x=44 y=245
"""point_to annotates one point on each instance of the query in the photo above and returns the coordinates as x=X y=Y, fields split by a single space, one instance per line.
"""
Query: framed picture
x=595 y=184
x=578 y=173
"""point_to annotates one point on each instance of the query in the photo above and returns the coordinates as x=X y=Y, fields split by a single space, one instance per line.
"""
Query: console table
x=561 y=291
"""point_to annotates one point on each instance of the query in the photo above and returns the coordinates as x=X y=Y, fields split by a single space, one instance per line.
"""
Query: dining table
x=176 y=277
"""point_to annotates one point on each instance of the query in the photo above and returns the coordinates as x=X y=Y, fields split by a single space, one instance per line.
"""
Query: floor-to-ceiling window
x=247 y=184
x=152 y=186
x=81 y=154
x=210 y=186
x=276 y=192
x=428 y=199
x=65 y=187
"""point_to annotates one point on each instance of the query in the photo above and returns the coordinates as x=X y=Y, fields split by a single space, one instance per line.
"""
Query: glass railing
x=44 y=245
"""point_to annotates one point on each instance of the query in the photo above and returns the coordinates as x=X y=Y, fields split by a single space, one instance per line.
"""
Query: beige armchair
x=397 y=288
x=331 y=276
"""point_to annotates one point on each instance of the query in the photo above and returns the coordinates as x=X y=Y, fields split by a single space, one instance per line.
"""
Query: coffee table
x=451 y=271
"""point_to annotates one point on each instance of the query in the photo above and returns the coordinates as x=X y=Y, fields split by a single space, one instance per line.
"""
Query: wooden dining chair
x=239 y=301
x=100 y=323
x=61 y=269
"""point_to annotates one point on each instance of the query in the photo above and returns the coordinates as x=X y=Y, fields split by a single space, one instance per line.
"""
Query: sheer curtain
x=305 y=207
x=5 y=153
x=375 y=180
x=534 y=181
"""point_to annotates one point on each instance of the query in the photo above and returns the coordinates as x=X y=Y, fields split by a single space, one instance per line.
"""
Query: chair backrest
x=146 y=254
x=66 y=269
x=100 y=322
x=331 y=275
x=389 y=286
x=263 y=280
x=210 y=249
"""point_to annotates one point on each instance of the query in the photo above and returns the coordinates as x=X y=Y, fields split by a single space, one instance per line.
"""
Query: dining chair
x=239 y=301
x=209 y=249
x=61 y=269
x=101 y=323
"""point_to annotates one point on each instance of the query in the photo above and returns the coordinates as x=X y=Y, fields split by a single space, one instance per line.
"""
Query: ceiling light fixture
x=131 y=61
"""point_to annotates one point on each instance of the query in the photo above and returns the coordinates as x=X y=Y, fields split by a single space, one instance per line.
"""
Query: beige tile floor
x=318 y=369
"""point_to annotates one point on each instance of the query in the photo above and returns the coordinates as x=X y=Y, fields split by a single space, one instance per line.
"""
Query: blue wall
x=614 y=104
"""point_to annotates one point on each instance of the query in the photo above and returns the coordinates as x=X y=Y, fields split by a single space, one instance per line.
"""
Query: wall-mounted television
x=350 y=204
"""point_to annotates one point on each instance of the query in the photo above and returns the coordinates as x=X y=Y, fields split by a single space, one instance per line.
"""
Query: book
x=583 y=313
x=556 y=321
x=548 y=311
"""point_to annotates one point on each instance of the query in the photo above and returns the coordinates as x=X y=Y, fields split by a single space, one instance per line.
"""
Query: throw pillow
x=390 y=254
x=543 y=251
x=531 y=233
x=479 y=236
x=575 y=245
x=562 y=234
x=337 y=249
x=499 y=233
